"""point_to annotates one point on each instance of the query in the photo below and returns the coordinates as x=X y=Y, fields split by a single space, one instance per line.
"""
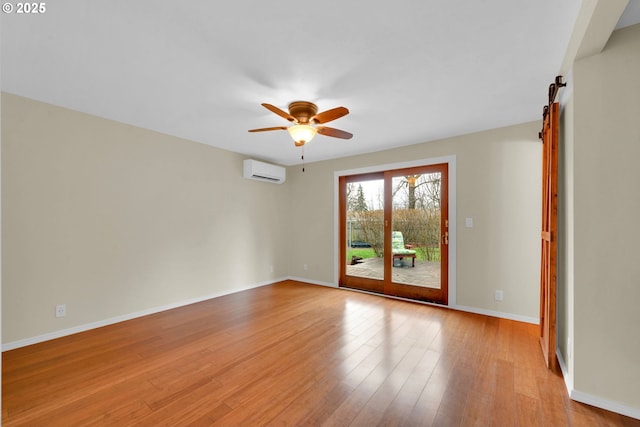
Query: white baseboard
x=592 y=400
x=312 y=282
x=88 y=326
x=510 y=316
x=565 y=371
x=601 y=403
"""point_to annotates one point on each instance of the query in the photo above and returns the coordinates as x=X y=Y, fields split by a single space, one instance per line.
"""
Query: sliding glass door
x=362 y=231
x=394 y=232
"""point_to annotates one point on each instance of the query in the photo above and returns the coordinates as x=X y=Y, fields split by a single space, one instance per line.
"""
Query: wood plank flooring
x=293 y=354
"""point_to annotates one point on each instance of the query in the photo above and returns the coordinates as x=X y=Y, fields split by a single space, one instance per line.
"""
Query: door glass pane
x=364 y=229
x=416 y=229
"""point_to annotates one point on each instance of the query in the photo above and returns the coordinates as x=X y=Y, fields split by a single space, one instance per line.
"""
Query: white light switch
x=468 y=222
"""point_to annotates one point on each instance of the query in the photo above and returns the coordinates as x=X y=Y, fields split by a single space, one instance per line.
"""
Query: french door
x=394 y=232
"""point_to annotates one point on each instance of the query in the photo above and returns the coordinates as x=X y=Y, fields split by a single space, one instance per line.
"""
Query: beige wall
x=498 y=185
x=607 y=208
x=111 y=220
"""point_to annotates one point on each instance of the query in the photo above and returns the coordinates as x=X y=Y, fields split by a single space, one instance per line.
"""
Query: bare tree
x=370 y=223
x=416 y=212
x=350 y=191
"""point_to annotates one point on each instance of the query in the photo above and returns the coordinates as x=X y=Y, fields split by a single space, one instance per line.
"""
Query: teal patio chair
x=399 y=249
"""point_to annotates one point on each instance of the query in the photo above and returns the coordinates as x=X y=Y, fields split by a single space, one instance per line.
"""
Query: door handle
x=445 y=238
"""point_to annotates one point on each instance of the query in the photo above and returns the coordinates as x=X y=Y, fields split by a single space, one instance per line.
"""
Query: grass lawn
x=360 y=252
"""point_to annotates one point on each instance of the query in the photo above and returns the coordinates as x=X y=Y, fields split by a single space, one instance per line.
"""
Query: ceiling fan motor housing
x=303 y=111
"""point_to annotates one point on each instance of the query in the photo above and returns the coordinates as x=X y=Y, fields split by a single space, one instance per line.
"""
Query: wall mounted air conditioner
x=253 y=169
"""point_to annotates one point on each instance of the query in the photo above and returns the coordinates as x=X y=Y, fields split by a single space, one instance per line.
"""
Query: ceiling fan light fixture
x=302 y=134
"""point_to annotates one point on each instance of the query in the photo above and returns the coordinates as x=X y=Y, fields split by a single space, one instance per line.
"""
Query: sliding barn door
x=549 y=235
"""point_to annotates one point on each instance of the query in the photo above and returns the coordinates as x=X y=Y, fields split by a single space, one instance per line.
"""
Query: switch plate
x=468 y=222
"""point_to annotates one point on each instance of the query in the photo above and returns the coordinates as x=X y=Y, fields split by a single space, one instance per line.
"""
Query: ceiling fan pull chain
x=302 y=157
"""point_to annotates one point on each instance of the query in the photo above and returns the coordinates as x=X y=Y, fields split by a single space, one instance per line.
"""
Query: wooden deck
x=425 y=273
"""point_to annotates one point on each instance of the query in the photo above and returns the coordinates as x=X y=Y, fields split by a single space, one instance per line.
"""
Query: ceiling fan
x=305 y=116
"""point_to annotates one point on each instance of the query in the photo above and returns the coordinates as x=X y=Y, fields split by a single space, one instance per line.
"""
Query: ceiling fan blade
x=279 y=112
x=329 y=115
x=336 y=133
x=266 y=129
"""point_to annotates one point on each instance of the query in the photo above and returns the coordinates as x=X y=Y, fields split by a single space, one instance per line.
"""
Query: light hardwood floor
x=294 y=354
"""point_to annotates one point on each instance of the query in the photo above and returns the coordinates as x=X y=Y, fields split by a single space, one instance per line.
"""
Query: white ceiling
x=410 y=71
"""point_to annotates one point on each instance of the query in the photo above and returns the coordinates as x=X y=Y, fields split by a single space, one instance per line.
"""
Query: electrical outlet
x=499 y=295
x=61 y=310
x=305 y=267
x=271 y=269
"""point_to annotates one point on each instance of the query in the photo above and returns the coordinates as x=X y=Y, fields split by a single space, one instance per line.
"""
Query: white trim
x=601 y=403
x=451 y=162
x=565 y=371
x=88 y=326
x=509 y=316
x=313 y=282
x=589 y=399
